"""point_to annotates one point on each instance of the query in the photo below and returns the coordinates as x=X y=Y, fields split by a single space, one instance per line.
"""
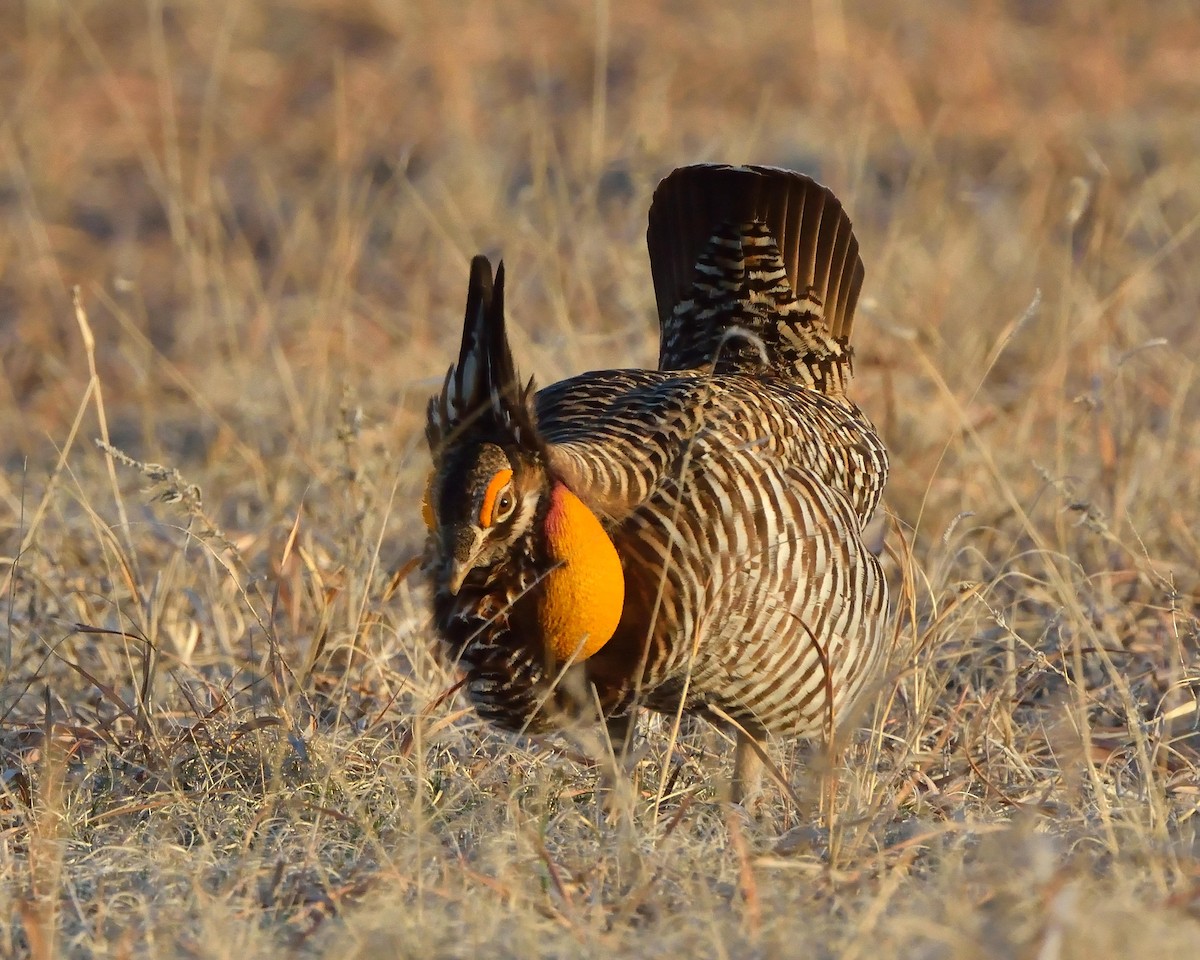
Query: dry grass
x=222 y=724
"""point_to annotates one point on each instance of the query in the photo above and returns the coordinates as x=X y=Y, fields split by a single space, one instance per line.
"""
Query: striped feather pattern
x=749 y=585
x=735 y=483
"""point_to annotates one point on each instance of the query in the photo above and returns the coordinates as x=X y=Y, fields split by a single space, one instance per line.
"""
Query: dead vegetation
x=223 y=728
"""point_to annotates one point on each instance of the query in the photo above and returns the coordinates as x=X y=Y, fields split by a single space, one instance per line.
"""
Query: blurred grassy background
x=223 y=729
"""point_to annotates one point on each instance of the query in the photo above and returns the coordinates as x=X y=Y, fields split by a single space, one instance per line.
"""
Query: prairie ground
x=224 y=729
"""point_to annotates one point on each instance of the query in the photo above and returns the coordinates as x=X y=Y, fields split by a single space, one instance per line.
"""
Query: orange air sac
x=580 y=603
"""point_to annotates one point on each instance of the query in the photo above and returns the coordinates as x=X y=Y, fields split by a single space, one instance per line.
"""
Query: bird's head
x=478 y=505
x=491 y=492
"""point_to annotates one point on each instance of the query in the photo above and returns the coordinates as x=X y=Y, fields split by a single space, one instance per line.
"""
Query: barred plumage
x=690 y=535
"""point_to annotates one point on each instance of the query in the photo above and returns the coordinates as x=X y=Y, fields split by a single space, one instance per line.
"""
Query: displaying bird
x=686 y=538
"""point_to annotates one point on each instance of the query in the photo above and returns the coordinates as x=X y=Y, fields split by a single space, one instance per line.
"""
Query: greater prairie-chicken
x=690 y=536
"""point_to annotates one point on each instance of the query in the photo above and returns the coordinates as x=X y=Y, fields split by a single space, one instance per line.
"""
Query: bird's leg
x=620 y=734
x=624 y=758
x=617 y=766
x=746 y=785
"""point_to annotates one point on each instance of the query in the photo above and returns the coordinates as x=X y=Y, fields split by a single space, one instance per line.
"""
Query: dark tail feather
x=481 y=390
x=699 y=220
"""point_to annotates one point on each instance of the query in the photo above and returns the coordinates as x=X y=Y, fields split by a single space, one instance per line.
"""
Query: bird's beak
x=463 y=556
x=458 y=573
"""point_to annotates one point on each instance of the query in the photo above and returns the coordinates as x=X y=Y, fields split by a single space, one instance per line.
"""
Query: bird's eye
x=498 y=500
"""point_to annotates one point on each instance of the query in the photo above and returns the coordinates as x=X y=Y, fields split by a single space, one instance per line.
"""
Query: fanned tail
x=758 y=250
x=482 y=391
